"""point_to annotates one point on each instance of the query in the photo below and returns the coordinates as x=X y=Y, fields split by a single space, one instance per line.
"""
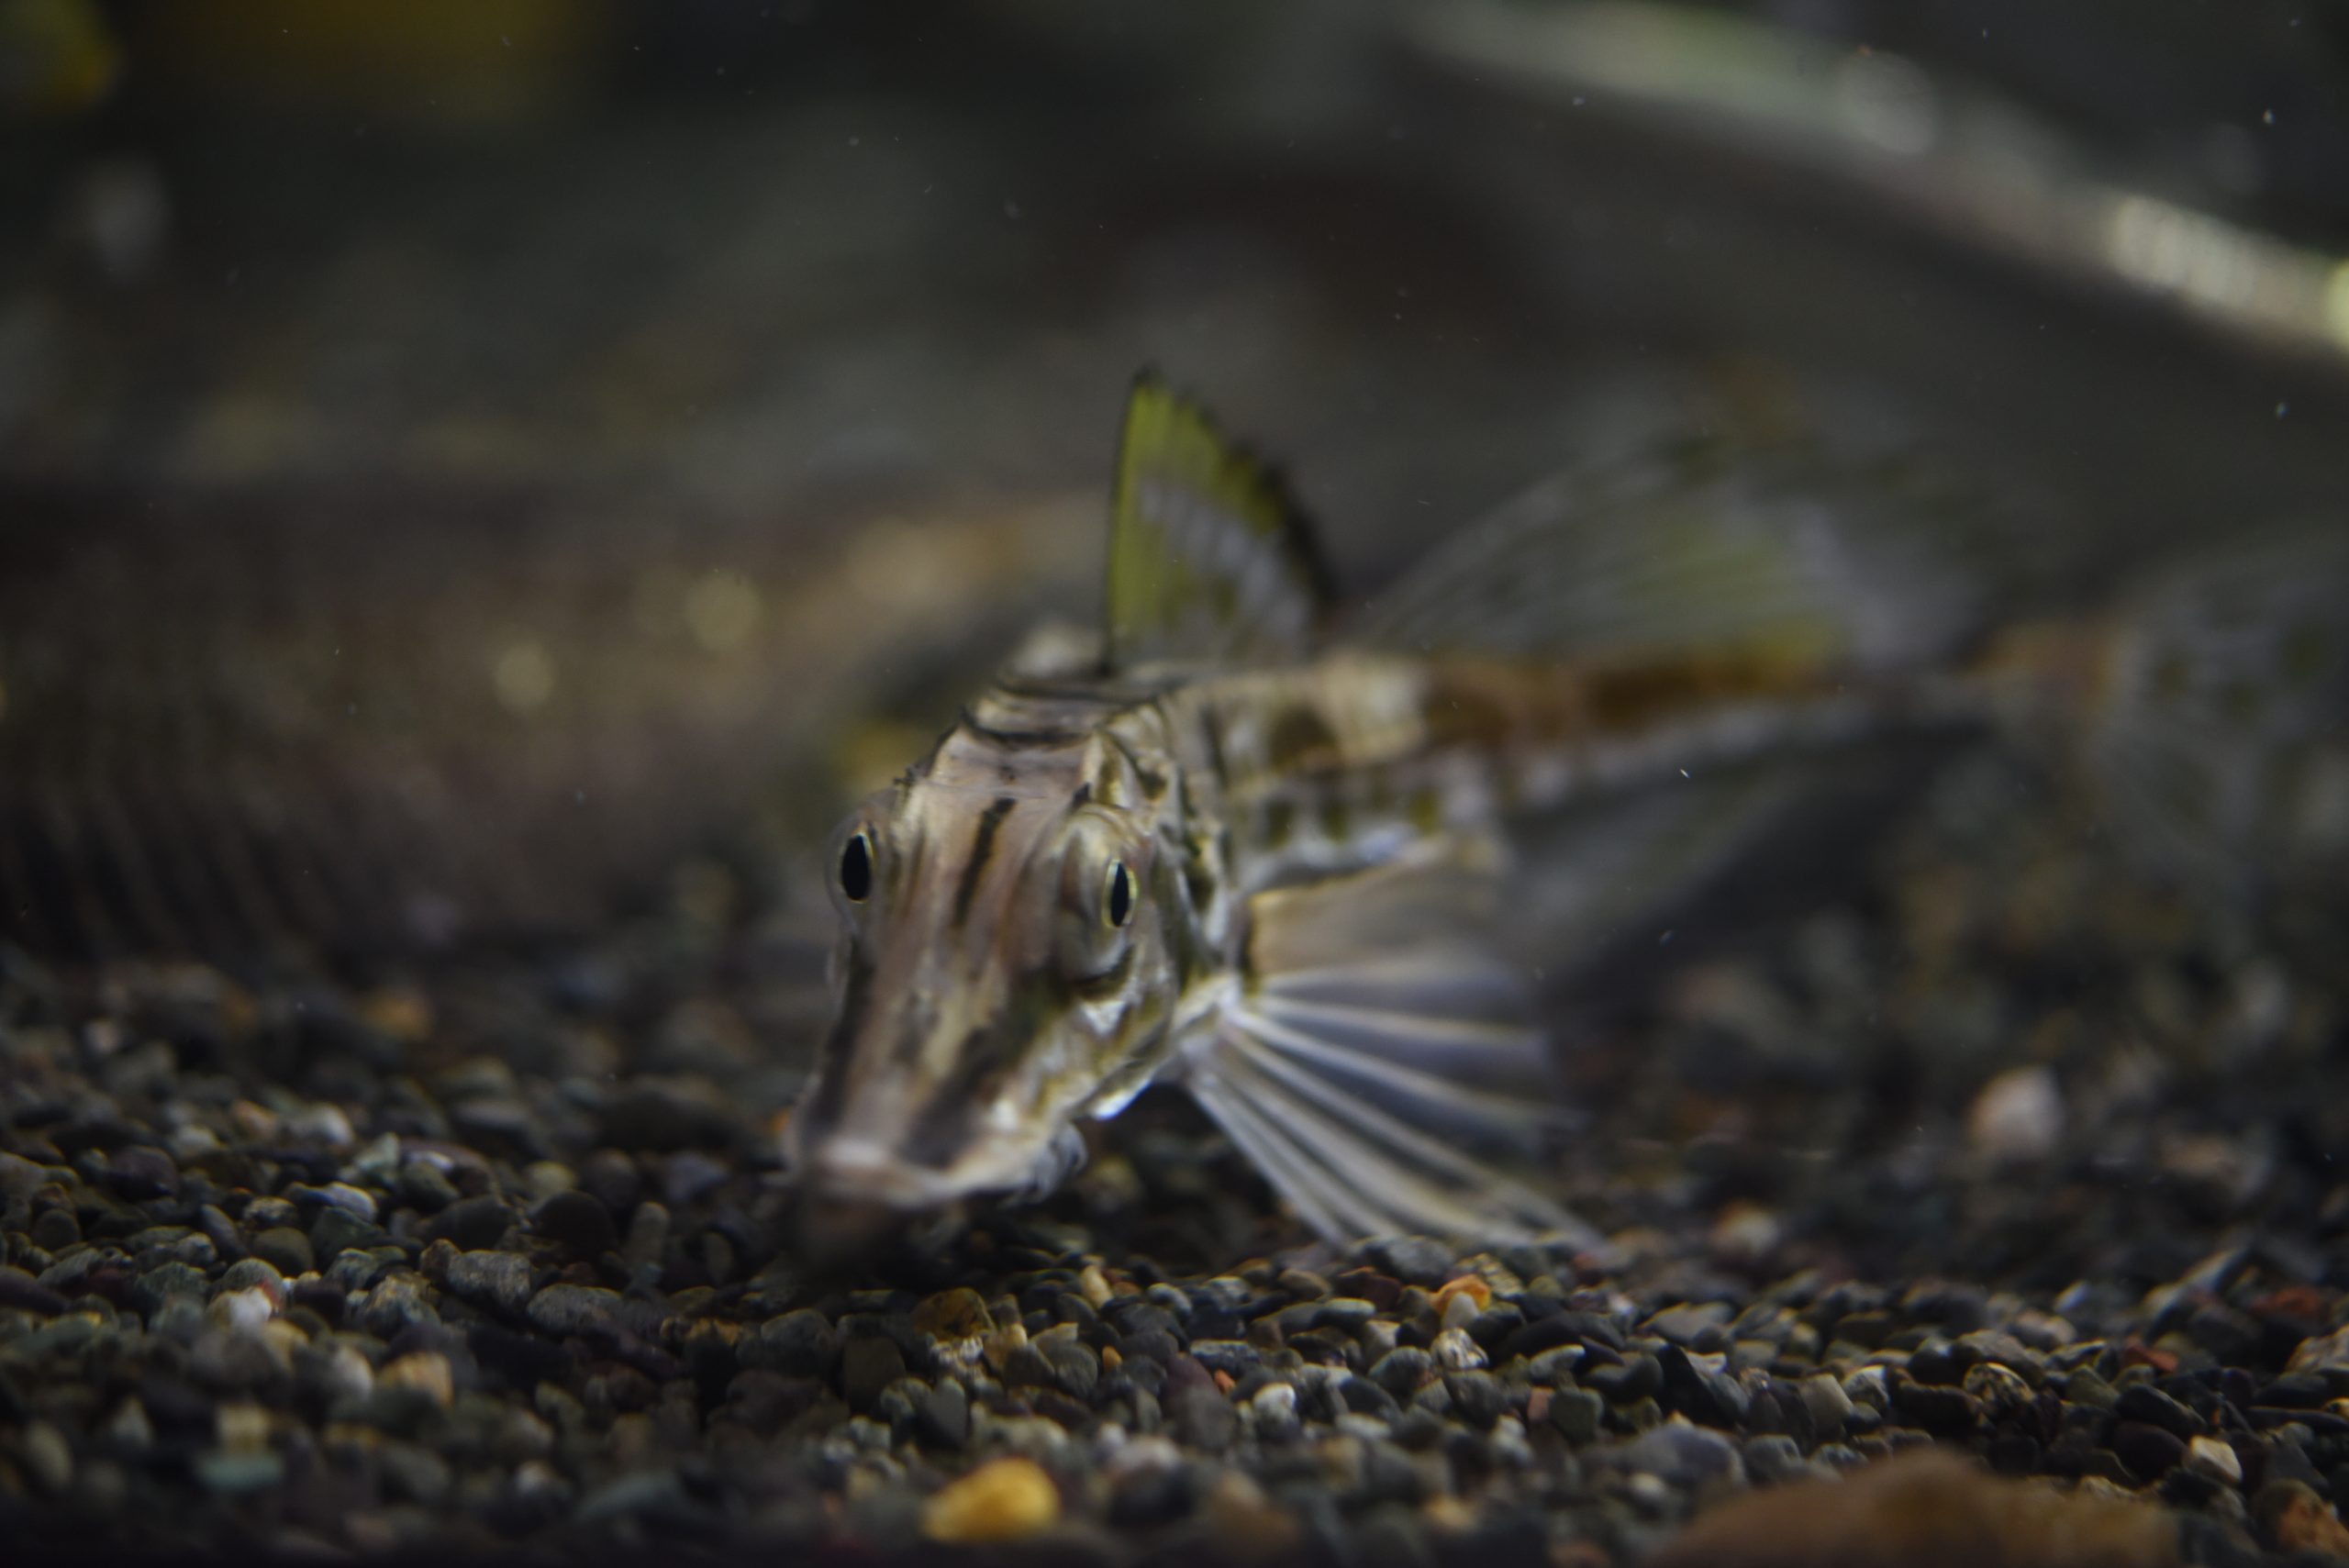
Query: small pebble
x=2209 y=1456
x=2018 y=1115
x=427 y=1372
x=48 y=1456
x=501 y=1280
x=1004 y=1500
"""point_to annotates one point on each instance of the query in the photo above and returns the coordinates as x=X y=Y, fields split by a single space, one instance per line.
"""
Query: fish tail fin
x=2210 y=712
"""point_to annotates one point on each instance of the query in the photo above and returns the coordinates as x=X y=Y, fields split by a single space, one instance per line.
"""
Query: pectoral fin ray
x=1375 y=1043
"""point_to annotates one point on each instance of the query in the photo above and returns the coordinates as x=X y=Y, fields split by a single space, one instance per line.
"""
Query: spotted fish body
x=1209 y=847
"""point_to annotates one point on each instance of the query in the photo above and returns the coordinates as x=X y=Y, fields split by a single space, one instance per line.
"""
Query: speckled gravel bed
x=2003 y=1153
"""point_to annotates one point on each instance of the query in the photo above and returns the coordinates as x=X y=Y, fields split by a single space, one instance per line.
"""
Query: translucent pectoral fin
x=1369 y=1077
x=1064 y=1158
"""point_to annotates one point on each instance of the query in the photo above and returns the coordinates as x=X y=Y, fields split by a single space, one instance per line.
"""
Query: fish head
x=1004 y=969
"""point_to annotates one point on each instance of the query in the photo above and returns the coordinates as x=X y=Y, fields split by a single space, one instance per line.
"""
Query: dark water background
x=452 y=464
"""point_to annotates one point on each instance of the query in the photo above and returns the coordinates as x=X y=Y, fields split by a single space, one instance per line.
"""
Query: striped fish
x=1228 y=845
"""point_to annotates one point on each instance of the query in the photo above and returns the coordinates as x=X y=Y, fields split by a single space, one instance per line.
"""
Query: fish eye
x=1117 y=905
x=856 y=867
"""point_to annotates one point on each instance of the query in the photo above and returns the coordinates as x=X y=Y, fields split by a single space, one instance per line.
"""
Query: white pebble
x=348 y=1376
x=2215 y=1459
x=1509 y=1444
x=1146 y=1455
x=1868 y=1387
x=2019 y=1115
x=1455 y=1352
x=241 y=1311
x=321 y=1123
x=536 y=1478
x=350 y=1200
x=1274 y=1401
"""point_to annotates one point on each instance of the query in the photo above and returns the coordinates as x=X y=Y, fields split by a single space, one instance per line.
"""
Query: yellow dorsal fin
x=1210 y=560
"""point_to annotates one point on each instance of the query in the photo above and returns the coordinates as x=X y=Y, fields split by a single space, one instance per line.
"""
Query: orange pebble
x=1469 y=1286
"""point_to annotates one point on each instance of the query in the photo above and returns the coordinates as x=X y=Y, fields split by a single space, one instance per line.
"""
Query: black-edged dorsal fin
x=1210 y=561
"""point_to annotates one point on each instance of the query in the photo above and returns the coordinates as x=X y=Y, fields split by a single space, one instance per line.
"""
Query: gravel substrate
x=2006 y=1154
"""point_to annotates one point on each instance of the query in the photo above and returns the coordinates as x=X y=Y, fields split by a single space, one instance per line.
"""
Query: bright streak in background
x=1971 y=165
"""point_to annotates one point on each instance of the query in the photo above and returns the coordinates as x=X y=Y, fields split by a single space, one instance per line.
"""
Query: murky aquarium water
x=1551 y=781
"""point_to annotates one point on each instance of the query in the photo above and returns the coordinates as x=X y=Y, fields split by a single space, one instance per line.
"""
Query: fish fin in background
x=1210 y=561
x=1616 y=896
x=1623 y=870
x=1377 y=1039
x=2217 y=727
x=1705 y=546
x=1758 y=567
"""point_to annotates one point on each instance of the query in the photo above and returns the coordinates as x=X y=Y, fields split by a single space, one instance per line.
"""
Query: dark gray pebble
x=501 y=1280
x=1626 y=1381
x=867 y=1367
x=523 y=1361
x=1690 y=1322
x=1415 y=1260
x=1365 y=1397
x=561 y=1309
x=20 y=1290
x=1075 y=1367
x=356 y=1268
x=612 y=1179
x=2143 y=1402
x=1339 y=1312
x=1680 y=1453
x=1945 y=1412
x=1203 y=1418
x=56 y=1230
x=1025 y=1367
x=1577 y=1413
x=286 y=1249
x=689 y=1174
x=796 y=1344
x=336 y=1229
x=2297 y=1391
x=2147 y=1450
x=1772 y=1458
x=1402 y=1370
x=1476 y=1397
x=1234 y=1358
x=140 y=1172
x=474 y=1224
x=2086 y=1388
x=1144 y=1496
x=1936 y=1366
x=1493 y=1327
x=425 y=1187
x=578 y=1222
x=942 y=1414
x=395 y=1304
x=151 y=1290
x=1542 y=1335
x=248 y=1274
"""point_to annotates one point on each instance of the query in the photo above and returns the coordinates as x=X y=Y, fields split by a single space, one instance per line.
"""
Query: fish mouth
x=857 y=1196
x=866 y=1171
